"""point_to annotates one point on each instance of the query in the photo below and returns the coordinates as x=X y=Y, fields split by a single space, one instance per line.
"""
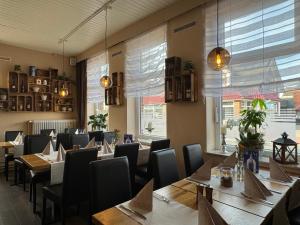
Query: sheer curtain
x=264 y=41
x=96 y=67
x=145 y=64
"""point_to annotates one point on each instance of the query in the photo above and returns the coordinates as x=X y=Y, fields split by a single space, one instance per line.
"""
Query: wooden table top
x=6 y=144
x=234 y=209
x=35 y=163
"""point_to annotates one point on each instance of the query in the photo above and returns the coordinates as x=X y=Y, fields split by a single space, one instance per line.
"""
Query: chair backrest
x=80 y=139
x=165 y=170
x=131 y=151
x=75 y=180
x=11 y=135
x=155 y=146
x=47 y=131
x=98 y=135
x=109 y=136
x=193 y=158
x=109 y=183
x=65 y=140
x=37 y=143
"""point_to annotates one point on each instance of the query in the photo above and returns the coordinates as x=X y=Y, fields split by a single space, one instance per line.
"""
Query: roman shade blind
x=145 y=63
x=263 y=38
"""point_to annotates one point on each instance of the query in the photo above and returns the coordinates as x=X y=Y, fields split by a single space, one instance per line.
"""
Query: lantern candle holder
x=285 y=150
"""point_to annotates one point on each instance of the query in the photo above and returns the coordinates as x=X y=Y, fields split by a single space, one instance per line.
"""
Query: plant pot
x=251 y=157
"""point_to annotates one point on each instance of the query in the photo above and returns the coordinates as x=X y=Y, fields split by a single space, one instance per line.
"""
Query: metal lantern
x=285 y=150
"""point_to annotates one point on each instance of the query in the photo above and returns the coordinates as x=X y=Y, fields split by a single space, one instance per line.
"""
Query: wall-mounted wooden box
x=115 y=94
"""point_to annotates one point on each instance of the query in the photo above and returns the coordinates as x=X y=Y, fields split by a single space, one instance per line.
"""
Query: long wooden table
x=235 y=210
x=5 y=145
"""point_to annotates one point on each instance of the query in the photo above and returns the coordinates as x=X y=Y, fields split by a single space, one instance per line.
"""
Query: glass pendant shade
x=218 y=58
x=105 y=81
x=63 y=92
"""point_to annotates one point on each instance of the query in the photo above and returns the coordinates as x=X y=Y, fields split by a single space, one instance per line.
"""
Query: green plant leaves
x=98 y=121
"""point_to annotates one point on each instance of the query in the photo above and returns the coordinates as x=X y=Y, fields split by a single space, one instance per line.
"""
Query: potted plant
x=251 y=140
x=98 y=121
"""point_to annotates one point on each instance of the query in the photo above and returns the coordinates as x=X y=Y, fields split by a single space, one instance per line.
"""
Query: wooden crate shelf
x=179 y=86
x=115 y=94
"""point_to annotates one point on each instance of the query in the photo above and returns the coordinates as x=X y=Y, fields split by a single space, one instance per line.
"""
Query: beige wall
x=186 y=121
x=25 y=57
x=117 y=114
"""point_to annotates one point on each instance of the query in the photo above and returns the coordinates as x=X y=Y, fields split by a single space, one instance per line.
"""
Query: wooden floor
x=15 y=208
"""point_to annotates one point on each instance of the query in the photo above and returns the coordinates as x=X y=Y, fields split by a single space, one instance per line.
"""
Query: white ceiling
x=39 y=24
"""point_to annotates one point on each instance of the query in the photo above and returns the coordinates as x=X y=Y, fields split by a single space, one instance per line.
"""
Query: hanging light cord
x=217 y=23
x=105 y=38
x=63 y=57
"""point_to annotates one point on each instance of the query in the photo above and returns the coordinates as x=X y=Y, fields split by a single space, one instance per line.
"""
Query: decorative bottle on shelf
x=13 y=85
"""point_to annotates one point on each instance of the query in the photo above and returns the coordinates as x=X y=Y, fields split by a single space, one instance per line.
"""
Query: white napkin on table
x=106 y=148
x=207 y=215
x=18 y=150
x=48 y=150
x=230 y=161
x=253 y=186
x=91 y=144
x=19 y=139
x=144 y=199
x=204 y=172
x=77 y=131
x=52 y=134
x=277 y=172
x=61 y=154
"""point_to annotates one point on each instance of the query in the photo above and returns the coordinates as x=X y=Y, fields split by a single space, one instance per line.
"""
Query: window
x=144 y=69
x=262 y=38
x=152 y=113
x=96 y=67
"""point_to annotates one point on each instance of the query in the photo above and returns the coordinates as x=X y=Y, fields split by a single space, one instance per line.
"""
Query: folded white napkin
x=106 y=148
x=48 y=150
x=254 y=187
x=204 y=172
x=277 y=172
x=19 y=139
x=144 y=199
x=91 y=144
x=61 y=154
x=52 y=134
x=18 y=150
x=77 y=131
x=230 y=161
x=207 y=215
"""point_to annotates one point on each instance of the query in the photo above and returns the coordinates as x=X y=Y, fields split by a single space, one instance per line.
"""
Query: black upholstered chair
x=80 y=139
x=98 y=135
x=73 y=130
x=193 y=158
x=145 y=171
x=165 y=170
x=294 y=216
x=109 y=136
x=131 y=151
x=37 y=144
x=9 y=157
x=75 y=188
x=47 y=131
x=109 y=183
x=20 y=168
x=65 y=140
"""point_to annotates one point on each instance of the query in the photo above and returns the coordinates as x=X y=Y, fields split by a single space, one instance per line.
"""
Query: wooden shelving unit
x=39 y=93
x=179 y=86
x=115 y=94
x=4 y=103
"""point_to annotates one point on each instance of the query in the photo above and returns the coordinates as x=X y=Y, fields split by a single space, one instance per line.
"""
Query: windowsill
x=293 y=169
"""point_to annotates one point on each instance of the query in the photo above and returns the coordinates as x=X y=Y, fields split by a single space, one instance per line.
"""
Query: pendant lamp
x=63 y=91
x=105 y=80
x=219 y=57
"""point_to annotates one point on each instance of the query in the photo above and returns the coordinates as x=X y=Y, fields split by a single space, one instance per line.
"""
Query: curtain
x=96 y=67
x=81 y=83
x=263 y=39
x=145 y=64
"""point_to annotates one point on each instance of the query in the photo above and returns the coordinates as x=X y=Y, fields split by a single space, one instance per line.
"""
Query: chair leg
x=24 y=179
x=30 y=192
x=16 y=174
x=44 y=210
x=34 y=196
x=62 y=215
x=6 y=169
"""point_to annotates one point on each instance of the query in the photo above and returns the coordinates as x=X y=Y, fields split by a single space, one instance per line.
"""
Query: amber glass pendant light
x=219 y=57
x=105 y=80
x=63 y=91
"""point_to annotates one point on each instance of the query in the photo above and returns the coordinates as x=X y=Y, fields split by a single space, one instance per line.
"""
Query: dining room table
x=234 y=208
x=6 y=145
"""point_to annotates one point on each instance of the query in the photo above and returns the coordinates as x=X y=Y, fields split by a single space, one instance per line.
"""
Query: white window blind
x=145 y=64
x=96 y=67
x=263 y=39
